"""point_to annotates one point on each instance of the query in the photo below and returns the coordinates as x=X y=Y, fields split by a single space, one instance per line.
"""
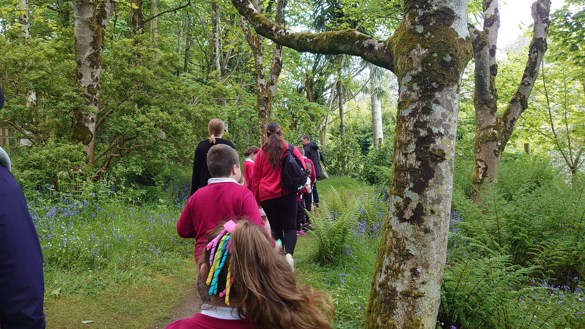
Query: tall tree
x=154 y=23
x=91 y=18
x=137 y=17
x=216 y=40
x=265 y=86
x=23 y=18
x=376 y=93
x=493 y=131
x=428 y=53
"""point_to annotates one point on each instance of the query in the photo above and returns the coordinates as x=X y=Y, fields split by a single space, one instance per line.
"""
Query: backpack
x=293 y=177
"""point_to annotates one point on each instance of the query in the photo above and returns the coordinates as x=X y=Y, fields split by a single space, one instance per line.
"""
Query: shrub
x=517 y=260
x=377 y=167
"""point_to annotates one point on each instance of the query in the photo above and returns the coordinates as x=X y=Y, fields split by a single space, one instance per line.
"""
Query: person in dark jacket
x=22 y=286
x=312 y=152
x=201 y=174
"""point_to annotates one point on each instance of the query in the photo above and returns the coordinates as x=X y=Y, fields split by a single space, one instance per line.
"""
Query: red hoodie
x=266 y=180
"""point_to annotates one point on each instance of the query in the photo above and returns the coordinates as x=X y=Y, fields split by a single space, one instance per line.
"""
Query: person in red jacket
x=279 y=204
x=223 y=198
x=252 y=286
x=250 y=155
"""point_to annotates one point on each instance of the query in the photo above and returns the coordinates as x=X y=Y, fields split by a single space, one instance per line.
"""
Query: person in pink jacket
x=279 y=204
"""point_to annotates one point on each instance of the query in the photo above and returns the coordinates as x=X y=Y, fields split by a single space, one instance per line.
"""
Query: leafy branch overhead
x=351 y=42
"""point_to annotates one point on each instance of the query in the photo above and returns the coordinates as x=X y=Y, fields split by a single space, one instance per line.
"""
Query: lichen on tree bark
x=428 y=53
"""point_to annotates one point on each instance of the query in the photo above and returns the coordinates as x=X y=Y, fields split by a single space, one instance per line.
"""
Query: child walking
x=306 y=196
x=252 y=286
x=250 y=155
x=220 y=199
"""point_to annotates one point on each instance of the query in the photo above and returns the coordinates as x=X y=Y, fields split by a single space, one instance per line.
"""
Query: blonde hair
x=263 y=288
x=216 y=127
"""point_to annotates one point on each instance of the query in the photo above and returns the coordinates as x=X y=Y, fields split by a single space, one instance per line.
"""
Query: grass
x=134 y=299
x=122 y=265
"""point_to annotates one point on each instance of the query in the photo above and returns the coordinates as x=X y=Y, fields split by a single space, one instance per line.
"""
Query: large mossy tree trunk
x=91 y=18
x=492 y=132
x=428 y=53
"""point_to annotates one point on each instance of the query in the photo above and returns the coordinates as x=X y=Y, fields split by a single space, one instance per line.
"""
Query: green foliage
x=348 y=276
x=52 y=165
x=89 y=234
x=345 y=214
x=343 y=157
x=377 y=166
x=332 y=230
x=516 y=261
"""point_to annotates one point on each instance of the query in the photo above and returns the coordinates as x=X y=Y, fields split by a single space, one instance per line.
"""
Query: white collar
x=220 y=312
x=249 y=160
x=221 y=180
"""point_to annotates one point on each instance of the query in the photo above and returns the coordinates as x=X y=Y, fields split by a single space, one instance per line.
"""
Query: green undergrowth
x=111 y=262
x=339 y=255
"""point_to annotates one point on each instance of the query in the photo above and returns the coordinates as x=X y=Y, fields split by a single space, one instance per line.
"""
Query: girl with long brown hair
x=201 y=173
x=279 y=204
x=252 y=286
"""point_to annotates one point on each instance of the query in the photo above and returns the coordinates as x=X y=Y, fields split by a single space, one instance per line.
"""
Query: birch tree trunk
x=339 y=89
x=428 y=53
x=91 y=18
x=216 y=39
x=376 y=104
x=23 y=19
x=492 y=132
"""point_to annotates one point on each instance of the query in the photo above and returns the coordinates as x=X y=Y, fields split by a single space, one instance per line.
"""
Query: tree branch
x=538 y=45
x=550 y=118
x=491 y=25
x=276 y=65
x=31 y=136
x=349 y=41
x=167 y=11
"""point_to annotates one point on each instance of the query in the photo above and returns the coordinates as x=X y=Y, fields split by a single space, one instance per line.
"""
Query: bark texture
x=91 y=18
x=154 y=23
x=265 y=86
x=428 y=53
x=137 y=17
x=23 y=18
x=493 y=132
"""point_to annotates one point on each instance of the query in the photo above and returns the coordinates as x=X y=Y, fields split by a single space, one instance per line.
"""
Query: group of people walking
x=246 y=264
x=245 y=231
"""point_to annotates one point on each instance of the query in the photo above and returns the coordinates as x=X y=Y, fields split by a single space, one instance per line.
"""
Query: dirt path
x=188 y=308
